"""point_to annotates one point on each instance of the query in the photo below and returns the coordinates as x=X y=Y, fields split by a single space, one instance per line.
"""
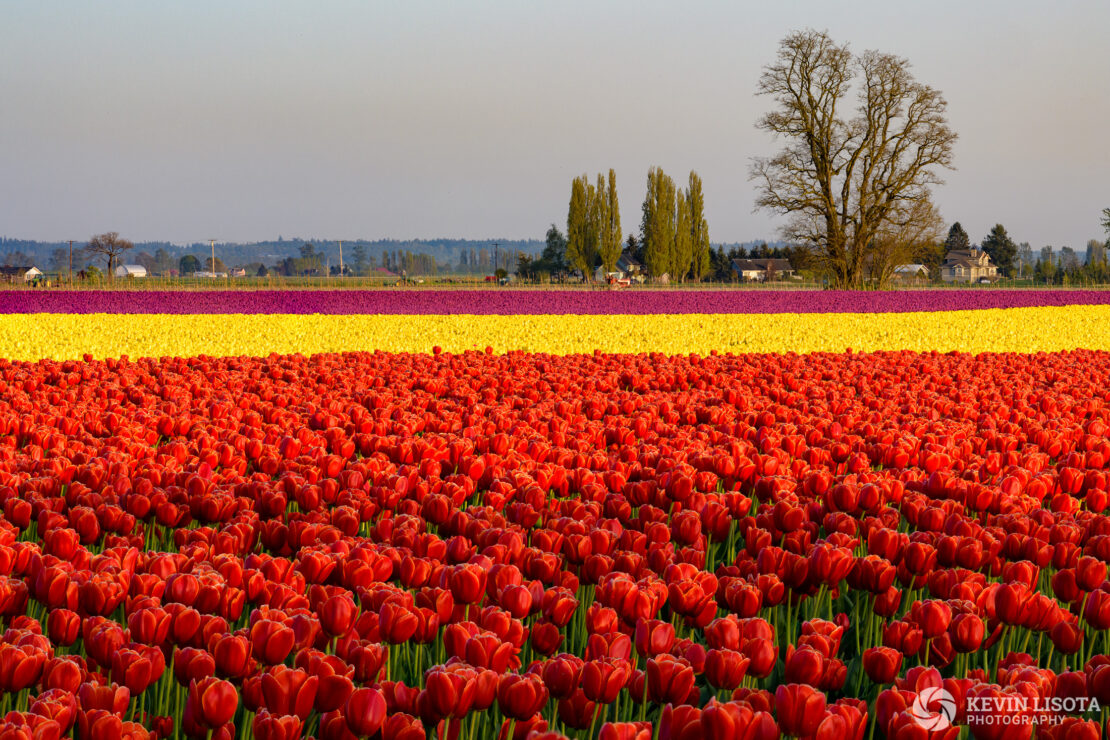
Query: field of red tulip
x=538 y=546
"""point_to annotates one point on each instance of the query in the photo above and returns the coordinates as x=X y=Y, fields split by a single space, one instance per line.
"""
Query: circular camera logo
x=934 y=709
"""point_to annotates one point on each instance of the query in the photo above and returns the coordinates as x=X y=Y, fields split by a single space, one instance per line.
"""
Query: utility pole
x=340 y=258
x=495 y=260
x=212 y=269
x=70 y=279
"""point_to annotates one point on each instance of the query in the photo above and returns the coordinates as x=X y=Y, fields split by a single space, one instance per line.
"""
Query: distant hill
x=446 y=252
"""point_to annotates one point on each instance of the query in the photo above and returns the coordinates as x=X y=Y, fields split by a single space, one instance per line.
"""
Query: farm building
x=15 y=274
x=130 y=271
x=763 y=269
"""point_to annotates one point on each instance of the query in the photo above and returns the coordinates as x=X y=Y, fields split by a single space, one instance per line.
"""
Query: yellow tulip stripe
x=70 y=336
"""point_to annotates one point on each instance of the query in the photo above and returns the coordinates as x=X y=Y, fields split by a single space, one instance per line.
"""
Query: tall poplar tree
x=699 y=229
x=583 y=226
x=683 y=253
x=599 y=218
x=611 y=225
x=657 y=224
x=577 y=222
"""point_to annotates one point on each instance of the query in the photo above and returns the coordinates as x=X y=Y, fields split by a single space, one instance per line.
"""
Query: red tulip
x=62 y=673
x=338 y=614
x=799 y=709
x=625 y=731
x=967 y=632
x=449 y=691
x=365 y=712
x=653 y=637
x=603 y=679
x=577 y=710
x=882 y=664
x=137 y=669
x=267 y=726
x=271 y=641
x=669 y=679
x=731 y=720
x=682 y=722
x=101 y=725
x=63 y=626
x=288 y=691
x=398 y=622
x=561 y=675
x=520 y=697
x=111 y=698
x=212 y=702
x=232 y=655
x=545 y=637
x=402 y=727
x=725 y=669
x=1090 y=573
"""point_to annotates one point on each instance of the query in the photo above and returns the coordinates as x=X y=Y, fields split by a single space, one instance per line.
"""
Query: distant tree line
x=1015 y=260
x=283 y=256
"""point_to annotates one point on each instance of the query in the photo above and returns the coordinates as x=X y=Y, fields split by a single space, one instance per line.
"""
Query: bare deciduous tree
x=110 y=246
x=849 y=185
x=902 y=239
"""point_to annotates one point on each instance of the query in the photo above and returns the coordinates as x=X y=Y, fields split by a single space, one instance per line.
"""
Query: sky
x=183 y=121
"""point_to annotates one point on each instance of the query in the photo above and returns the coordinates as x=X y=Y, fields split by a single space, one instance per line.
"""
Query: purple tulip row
x=533 y=301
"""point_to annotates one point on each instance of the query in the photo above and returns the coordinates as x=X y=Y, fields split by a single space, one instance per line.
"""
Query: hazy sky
x=243 y=120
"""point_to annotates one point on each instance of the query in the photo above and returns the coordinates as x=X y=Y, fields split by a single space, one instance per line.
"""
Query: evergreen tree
x=957 y=238
x=187 y=265
x=719 y=263
x=1001 y=249
x=635 y=248
x=554 y=258
x=359 y=254
x=683 y=253
x=699 y=229
x=657 y=224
